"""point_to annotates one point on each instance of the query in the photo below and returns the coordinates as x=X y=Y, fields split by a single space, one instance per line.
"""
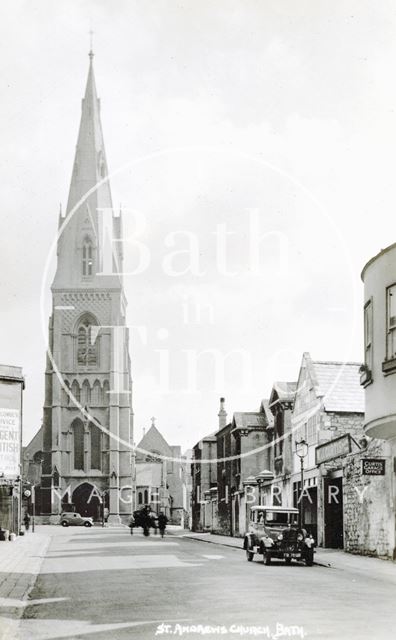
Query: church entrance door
x=86 y=501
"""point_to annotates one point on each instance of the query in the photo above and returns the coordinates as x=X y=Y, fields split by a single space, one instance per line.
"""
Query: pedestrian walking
x=131 y=524
x=162 y=522
x=26 y=521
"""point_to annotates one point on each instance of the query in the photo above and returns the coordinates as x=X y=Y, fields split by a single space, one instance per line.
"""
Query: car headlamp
x=280 y=537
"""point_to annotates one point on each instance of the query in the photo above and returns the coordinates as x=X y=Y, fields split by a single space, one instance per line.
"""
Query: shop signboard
x=11 y=384
x=333 y=449
x=10 y=441
x=373 y=466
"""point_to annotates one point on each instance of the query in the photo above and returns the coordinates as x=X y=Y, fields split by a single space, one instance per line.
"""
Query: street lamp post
x=302 y=452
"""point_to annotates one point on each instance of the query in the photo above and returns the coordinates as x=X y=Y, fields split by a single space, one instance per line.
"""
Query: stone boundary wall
x=369 y=517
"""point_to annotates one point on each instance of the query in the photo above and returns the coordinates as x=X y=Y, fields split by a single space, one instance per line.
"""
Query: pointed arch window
x=96 y=398
x=96 y=447
x=106 y=393
x=75 y=391
x=87 y=344
x=85 y=394
x=87 y=258
x=65 y=394
x=78 y=445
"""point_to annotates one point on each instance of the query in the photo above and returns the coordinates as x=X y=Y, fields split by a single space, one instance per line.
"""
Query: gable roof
x=284 y=390
x=339 y=385
x=155 y=442
x=336 y=384
x=250 y=419
x=36 y=443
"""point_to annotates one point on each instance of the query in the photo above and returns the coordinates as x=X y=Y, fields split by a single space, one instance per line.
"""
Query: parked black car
x=274 y=533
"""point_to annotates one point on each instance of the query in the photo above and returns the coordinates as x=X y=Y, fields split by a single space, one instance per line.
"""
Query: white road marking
x=71 y=564
x=86 y=546
x=212 y=557
x=14 y=602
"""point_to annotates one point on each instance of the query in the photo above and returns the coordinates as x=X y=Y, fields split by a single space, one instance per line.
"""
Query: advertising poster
x=10 y=429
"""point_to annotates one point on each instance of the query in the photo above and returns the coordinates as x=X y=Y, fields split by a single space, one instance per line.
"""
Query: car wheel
x=249 y=555
x=64 y=523
x=87 y=524
x=288 y=560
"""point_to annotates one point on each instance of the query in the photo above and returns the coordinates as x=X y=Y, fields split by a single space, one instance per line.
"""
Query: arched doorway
x=86 y=501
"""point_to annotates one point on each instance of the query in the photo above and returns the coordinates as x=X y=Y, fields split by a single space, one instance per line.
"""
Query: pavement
x=20 y=563
x=332 y=558
x=102 y=583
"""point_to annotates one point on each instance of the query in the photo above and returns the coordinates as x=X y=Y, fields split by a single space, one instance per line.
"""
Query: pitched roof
x=247 y=419
x=265 y=408
x=155 y=442
x=284 y=390
x=339 y=385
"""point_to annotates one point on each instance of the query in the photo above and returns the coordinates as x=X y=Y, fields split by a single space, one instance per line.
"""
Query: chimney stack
x=222 y=414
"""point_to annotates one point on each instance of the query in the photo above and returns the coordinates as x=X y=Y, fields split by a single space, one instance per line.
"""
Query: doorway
x=333 y=513
x=86 y=501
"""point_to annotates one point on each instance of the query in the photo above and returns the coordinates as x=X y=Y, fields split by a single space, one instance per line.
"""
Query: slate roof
x=339 y=384
x=265 y=408
x=284 y=390
x=246 y=419
x=155 y=442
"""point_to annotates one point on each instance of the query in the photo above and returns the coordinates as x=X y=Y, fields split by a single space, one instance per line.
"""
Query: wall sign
x=10 y=441
x=333 y=449
x=373 y=467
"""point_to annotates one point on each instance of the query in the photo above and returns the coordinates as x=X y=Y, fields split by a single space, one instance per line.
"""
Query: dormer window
x=87 y=258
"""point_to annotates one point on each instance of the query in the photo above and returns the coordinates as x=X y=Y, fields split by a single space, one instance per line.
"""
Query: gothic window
x=146 y=499
x=65 y=395
x=96 y=396
x=87 y=258
x=87 y=344
x=106 y=392
x=78 y=448
x=96 y=447
x=85 y=394
x=140 y=497
x=75 y=391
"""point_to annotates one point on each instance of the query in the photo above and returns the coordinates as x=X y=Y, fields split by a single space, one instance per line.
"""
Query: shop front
x=11 y=387
x=330 y=459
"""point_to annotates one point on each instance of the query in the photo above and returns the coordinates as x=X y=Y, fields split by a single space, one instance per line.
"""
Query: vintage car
x=144 y=518
x=274 y=533
x=70 y=518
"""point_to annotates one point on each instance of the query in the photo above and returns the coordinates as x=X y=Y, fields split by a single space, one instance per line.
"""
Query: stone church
x=84 y=448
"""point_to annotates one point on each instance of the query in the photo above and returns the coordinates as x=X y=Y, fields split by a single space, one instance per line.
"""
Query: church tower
x=88 y=419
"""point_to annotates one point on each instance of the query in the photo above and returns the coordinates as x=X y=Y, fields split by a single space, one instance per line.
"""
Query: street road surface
x=105 y=583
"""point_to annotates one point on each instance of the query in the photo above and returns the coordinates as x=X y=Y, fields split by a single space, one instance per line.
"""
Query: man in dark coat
x=162 y=522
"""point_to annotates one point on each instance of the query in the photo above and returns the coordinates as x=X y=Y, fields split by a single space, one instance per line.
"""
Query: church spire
x=90 y=166
x=88 y=177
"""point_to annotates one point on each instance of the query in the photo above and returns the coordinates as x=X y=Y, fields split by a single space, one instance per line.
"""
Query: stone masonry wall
x=342 y=423
x=369 y=518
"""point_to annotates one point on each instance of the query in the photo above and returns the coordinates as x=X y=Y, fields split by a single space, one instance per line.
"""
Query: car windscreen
x=276 y=517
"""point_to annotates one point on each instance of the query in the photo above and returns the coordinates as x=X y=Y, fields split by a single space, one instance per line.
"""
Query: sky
x=254 y=138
